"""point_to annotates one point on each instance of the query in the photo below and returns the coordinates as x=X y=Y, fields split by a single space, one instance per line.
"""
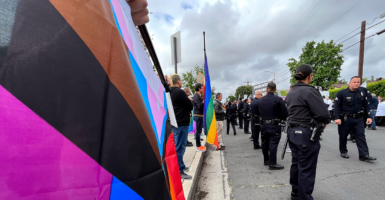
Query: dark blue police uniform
x=255 y=124
x=246 y=117
x=369 y=99
x=352 y=108
x=304 y=103
x=272 y=110
x=230 y=118
x=240 y=114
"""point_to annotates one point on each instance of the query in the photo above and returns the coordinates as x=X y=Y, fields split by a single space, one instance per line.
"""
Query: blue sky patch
x=186 y=6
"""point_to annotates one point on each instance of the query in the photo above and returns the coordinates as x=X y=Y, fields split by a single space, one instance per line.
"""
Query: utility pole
x=362 y=49
x=204 y=44
x=247 y=82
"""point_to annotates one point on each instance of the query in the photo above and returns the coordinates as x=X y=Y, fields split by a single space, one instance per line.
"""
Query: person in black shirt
x=255 y=124
x=235 y=111
x=198 y=116
x=304 y=103
x=231 y=116
x=240 y=113
x=182 y=108
x=272 y=110
x=351 y=110
x=246 y=116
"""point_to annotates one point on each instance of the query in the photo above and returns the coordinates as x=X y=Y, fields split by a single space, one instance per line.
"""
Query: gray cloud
x=246 y=38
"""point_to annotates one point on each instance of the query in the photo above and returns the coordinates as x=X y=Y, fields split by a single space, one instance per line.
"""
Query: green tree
x=326 y=60
x=284 y=93
x=242 y=90
x=232 y=98
x=189 y=79
x=341 y=81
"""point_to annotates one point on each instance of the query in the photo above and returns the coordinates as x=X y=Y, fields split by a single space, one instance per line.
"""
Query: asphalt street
x=337 y=177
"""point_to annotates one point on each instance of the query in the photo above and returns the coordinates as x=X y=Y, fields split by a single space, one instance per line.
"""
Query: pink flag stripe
x=38 y=162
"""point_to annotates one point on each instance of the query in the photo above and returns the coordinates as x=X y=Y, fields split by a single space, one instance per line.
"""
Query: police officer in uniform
x=246 y=116
x=255 y=124
x=272 y=110
x=240 y=113
x=305 y=105
x=369 y=99
x=230 y=117
x=235 y=106
x=350 y=109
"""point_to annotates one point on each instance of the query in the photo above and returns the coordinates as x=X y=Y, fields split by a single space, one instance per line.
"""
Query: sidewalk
x=192 y=159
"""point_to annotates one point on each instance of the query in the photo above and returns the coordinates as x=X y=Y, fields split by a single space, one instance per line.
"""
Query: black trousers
x=246 y=125
x=355 y=127
x=304 y=161
x=331 y=114
x=232 y=121
x=240 y=117
x=270 y=135
x=255 y=130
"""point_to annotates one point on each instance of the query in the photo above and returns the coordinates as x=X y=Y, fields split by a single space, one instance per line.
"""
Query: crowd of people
x=303 y=115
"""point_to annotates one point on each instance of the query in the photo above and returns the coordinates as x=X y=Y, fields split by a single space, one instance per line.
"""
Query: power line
x=321 y=18
x=305 y=19
x=348 y=34
x=297 y=25
x=361 y=31
x=360 y=41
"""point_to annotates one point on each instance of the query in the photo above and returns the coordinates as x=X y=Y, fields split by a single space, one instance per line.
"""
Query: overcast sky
x=245 y=38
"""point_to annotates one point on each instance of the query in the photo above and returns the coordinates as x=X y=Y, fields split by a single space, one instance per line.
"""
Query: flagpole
x=147 y=40
x=204 y=42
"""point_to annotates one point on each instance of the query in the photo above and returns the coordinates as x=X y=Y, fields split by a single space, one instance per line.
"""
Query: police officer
x=304 y=104
x=255 y=124
x=369 y=99
x=235 y=111
x=230 y=117
x=246 y=116
x=350 y=109
x=272 y=110
x=240 y=113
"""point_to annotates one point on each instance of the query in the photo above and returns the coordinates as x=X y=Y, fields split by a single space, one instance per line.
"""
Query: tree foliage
x=189 y=79
x=284 y=93
x=242 y=90
x=341 y=81
x=232 y=98
x=377 y=88
x=326 y=60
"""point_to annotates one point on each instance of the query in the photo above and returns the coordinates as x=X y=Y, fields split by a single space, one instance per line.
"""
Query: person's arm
x=283 y=108
x=315 y=102
x=185 y=102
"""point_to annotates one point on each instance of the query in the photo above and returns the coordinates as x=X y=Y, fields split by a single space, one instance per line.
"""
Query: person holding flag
x=198 y=104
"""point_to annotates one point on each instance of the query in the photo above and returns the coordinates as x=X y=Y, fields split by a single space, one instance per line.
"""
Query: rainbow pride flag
x=209 y=122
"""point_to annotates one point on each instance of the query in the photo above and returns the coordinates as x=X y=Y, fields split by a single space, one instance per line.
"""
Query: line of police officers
x=306 y=116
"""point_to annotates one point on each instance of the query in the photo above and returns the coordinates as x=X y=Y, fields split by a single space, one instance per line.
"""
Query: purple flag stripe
x=38 y=162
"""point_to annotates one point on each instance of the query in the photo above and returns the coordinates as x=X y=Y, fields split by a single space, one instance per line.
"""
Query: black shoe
x=344 y=155
x=367 y=158
x=240 y=128
x=349 y=139
x=189 y=144
x=247 y=133
x=250 y=137
x=235 y=133
x=257 y=147
x=354 y=141
x=227 y=133
x=276 y=167
x=185 y=176
x=266 y=163
x=294 y=195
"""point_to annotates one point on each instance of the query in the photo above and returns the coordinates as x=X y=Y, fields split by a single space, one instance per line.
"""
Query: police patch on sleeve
x=336 y=99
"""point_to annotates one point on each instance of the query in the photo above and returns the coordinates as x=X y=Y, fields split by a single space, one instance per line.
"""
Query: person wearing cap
x=246 y=115
x=272 y=110
x=351 y=112
x=240 y=113
x=304 y=103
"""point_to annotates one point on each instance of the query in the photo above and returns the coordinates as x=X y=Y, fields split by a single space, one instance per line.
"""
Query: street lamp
x=273 y=74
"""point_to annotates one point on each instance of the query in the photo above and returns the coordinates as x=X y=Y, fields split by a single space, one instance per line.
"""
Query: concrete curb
x=189 y=186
